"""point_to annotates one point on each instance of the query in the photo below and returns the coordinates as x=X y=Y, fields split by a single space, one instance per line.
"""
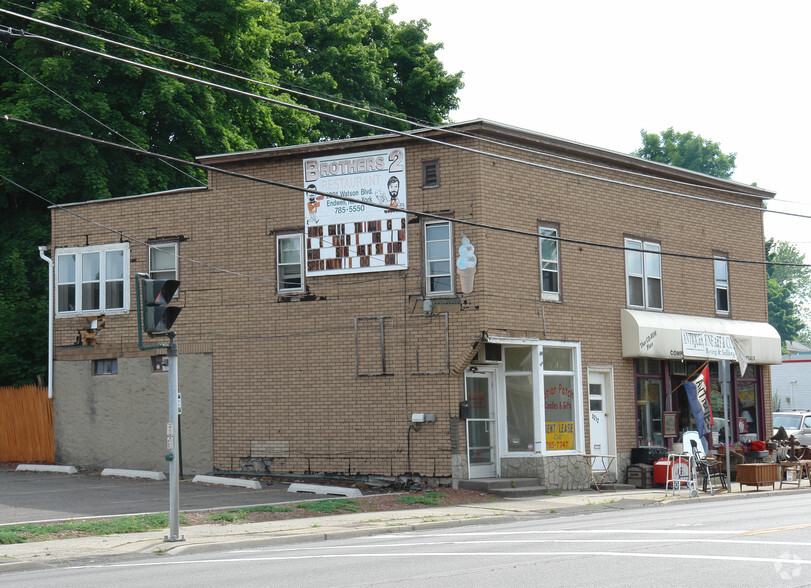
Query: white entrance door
x=481 y=424
x=598 y=413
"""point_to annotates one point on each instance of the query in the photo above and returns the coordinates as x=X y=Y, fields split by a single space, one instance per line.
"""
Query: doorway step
x=509 y=487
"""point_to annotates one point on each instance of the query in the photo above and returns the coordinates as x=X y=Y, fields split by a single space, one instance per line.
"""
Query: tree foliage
x=788 y=286
x=352 y=51
x=357 y=54
x=687 y=150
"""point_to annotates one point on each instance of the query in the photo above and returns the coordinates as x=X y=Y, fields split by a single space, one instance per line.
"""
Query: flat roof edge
x=117 y=198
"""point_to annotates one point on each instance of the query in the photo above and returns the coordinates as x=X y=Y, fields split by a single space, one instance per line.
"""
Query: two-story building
x=484 y=301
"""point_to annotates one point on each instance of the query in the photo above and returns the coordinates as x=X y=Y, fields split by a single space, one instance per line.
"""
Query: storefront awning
x=675 y=336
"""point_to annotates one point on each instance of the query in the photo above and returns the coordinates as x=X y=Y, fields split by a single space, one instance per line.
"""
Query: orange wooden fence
x=26 y=425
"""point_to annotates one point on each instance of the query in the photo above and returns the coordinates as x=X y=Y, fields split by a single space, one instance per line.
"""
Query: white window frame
x=648 y=257
x=579 y=434
x=550 y=264
x=720 y=262
x=82 y=257
x=279 y=264
x=429 y=274
x=164 y=274
x=539 y=408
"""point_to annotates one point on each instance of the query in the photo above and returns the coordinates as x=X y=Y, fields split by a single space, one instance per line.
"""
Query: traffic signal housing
x=158 y=316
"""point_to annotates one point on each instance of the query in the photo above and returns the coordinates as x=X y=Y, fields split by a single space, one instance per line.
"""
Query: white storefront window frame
x=80 y=255
x=538 y=398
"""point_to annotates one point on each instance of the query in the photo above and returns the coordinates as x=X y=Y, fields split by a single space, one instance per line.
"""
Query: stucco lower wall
x=119 y=421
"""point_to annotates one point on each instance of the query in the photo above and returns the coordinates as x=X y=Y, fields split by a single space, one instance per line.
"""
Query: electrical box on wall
x=418 y=417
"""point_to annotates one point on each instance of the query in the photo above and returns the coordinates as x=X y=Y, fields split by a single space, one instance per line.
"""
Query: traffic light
x=158 y=315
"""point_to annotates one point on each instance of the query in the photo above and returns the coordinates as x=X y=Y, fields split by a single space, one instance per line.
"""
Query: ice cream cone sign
x=466 y=265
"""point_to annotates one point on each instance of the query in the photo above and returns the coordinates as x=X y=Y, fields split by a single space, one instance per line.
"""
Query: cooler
x=661 y=469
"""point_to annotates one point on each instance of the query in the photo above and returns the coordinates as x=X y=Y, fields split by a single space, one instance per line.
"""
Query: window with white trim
x=561 y=398
x=163 y=261
x=543 y=399
x=721 y=268
x=438 y=258
x=643 y=274
x=550 y=263
x=93 y=279
x=290 y=263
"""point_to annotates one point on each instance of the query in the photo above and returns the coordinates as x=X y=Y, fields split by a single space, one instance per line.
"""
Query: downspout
x=50 y=262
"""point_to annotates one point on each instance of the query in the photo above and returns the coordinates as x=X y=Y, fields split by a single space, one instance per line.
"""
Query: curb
x=250 y=484
x=31 y=467
x=133 y=474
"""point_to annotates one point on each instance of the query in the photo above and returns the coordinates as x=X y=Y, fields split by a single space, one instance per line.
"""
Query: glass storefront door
x=481 y=424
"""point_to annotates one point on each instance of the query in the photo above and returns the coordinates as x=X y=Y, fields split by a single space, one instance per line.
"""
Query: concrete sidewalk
x=215 y=537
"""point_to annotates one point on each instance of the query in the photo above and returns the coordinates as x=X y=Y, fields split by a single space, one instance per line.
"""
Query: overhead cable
x=302 y=190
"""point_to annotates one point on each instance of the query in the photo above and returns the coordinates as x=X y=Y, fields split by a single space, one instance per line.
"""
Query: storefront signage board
x=344 y=237
x=701 y=345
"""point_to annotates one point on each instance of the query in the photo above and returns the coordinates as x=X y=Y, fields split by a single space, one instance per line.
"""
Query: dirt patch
x=332 y=506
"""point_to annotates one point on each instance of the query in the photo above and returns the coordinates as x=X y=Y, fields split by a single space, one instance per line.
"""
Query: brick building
x=329 y=337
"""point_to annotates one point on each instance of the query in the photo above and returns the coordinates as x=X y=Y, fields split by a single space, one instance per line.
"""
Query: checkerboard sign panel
x=363 y=245
x=348 y=236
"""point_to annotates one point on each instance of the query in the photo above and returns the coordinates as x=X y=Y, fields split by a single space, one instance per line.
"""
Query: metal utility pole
x=155 y=317
x=173 y=429
x=723 y=376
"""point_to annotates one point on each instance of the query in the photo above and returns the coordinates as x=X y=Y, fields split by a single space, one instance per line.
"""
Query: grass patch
x=331 y=506
x=136 y=524
x=233 y=516
x=228 y=517
x=429 y=498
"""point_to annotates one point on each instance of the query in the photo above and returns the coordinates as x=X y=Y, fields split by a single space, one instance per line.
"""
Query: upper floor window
x=550 y=264
x=92 y=279
x=721 y=266
x=290 y=263
x=438 y=258
x=163 y=261
x=643 y=273
x=430 y=174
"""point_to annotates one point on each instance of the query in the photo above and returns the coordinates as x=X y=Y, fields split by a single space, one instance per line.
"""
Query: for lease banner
x=348 y=237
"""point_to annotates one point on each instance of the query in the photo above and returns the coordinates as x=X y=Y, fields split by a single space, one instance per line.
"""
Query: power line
x=213 y=169
x=288 y=87
x=412 y=134
x=123 y=235
x=345 y=105
x=385 y=115
x=130 y=141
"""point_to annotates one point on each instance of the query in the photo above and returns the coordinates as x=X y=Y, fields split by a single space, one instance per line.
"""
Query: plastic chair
x=706 y=468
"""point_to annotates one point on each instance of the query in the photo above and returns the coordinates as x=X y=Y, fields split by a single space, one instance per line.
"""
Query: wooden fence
x=26 y=425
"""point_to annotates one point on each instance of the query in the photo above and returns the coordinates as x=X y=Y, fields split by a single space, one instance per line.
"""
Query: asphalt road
x=43 y=496
x=761 y=541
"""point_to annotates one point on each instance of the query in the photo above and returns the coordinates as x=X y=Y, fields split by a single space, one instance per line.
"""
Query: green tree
x=687 y=150
x=357 y=54
x=788 y=286
x=23 y=308
x=340 y=47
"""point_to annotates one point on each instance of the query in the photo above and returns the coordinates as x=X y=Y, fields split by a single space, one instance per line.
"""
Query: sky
x=599 y=72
